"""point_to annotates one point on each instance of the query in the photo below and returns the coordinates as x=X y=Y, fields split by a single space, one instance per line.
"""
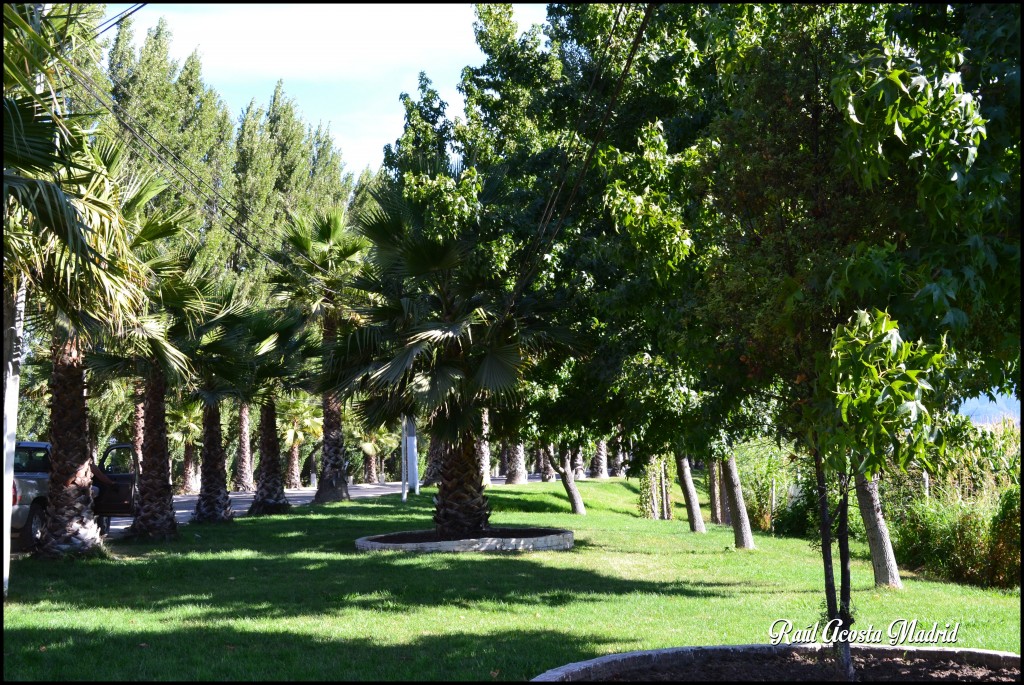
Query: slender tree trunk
x=713 y=491
x=516 y=473
x=155 y=520
x=270 y=497
x=70 y=526
x=435 y=460
x=564 y=468
x=547 y=470
x=723 y=494
x=666 y=490
x=461 y=507
x=618 y=458
x=740 y=522
x=843 y=533
x=825 y=530
x=883 y=560
x=190 y=481
x=332 y=486
x=213 y=504
x=14 y=340
x=243 y=475
x=599 y=464
x=483 y=450
x=689 y=495
x=294 y=479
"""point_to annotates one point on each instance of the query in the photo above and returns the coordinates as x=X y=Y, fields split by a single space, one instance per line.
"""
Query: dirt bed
x=811 y=667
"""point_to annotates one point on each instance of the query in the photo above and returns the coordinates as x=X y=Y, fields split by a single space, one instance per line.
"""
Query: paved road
x=184 y=505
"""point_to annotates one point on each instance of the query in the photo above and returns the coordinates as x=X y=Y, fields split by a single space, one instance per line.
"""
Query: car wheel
x=32 y=532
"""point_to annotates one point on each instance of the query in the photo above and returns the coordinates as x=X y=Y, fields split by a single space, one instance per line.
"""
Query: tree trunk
x=483 y=450
x=565 y=469
x=155 y=520
x=190 y=481
x=578 y=468
x=713 y=491
x=70 y=526
x=666 y=489
x=332 y=486
x=270 y=497
x=883 y=560
x=740 y=521
x=243 y=476
x=825 y=530
x=516 y=473
x=599 y=464
x=294 y=479
x=435 y=460
x=843 y=533
x=14 y=340
x=213 y=504
x=723 y=494
x=461 y=507
x=370 y=468
x=139 y=421
x=547 y=456
x=618 y=459
x=689 y=495
x=503 y=457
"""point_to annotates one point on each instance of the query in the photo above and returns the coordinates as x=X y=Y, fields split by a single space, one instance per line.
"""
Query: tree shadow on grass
x=223 y=653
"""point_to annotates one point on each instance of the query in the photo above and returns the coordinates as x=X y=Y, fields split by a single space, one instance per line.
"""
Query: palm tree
x=300 y=425
x=323 y=255
x=443 y=337
x=63 y=234
x=185 y=418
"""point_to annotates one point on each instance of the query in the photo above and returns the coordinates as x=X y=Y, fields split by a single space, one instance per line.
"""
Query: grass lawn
x=289 y=598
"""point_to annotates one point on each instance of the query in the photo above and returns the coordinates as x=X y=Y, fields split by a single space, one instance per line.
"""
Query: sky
x=344 y=65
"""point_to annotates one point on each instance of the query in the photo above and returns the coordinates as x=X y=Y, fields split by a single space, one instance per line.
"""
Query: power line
x=114 y=21
x=92 y=89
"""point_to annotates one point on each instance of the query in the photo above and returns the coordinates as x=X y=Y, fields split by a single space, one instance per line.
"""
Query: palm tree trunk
x=270 y=497
x=883 y=560
x=599 y=464
x=483 y=450
x=693 y=514
x=369 y=468
x=14 y=339
x=742 y=536
x=503 y=457
x=565 y=470
x=715 y=500
x=547 y=473
x=243 y=476
x=516 y=473
x=139 y=420
x=190 y=480
x=332 y=485
x=435 y=459
x=578 y=469
x=213 y=504
x=461 y=507
x=155 y=520
x=70 y=526
x=294 y=479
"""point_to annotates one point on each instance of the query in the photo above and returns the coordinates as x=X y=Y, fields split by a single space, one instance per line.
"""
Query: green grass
x=289 y=598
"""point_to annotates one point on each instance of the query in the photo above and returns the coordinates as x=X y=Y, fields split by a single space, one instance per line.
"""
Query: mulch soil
x=431 y=535
x=802 y=667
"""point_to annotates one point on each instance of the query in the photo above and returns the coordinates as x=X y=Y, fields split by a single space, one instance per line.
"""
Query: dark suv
x=32 y=485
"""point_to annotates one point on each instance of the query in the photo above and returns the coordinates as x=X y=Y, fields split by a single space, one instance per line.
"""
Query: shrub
x=1005 y=540
x=946 y=539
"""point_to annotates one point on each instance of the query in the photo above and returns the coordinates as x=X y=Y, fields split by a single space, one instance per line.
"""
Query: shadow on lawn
x=219 y=653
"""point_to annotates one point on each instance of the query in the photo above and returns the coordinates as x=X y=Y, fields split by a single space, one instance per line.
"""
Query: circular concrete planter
x=615 y=664
x=549 y=539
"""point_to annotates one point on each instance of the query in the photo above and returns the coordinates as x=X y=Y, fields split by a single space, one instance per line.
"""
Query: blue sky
x=344 y=65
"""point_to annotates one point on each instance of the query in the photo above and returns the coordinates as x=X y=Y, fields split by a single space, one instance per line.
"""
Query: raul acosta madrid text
x=900 y=631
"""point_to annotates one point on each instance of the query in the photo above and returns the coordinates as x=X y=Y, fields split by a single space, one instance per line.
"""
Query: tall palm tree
x=322 y=255
x=301 y=423
x=185 y=418
x=443 y=337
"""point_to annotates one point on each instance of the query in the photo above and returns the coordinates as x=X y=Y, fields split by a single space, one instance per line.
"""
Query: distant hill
x=983 y=410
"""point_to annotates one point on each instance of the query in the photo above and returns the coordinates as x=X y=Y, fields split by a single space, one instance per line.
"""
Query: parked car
x=32 y=486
